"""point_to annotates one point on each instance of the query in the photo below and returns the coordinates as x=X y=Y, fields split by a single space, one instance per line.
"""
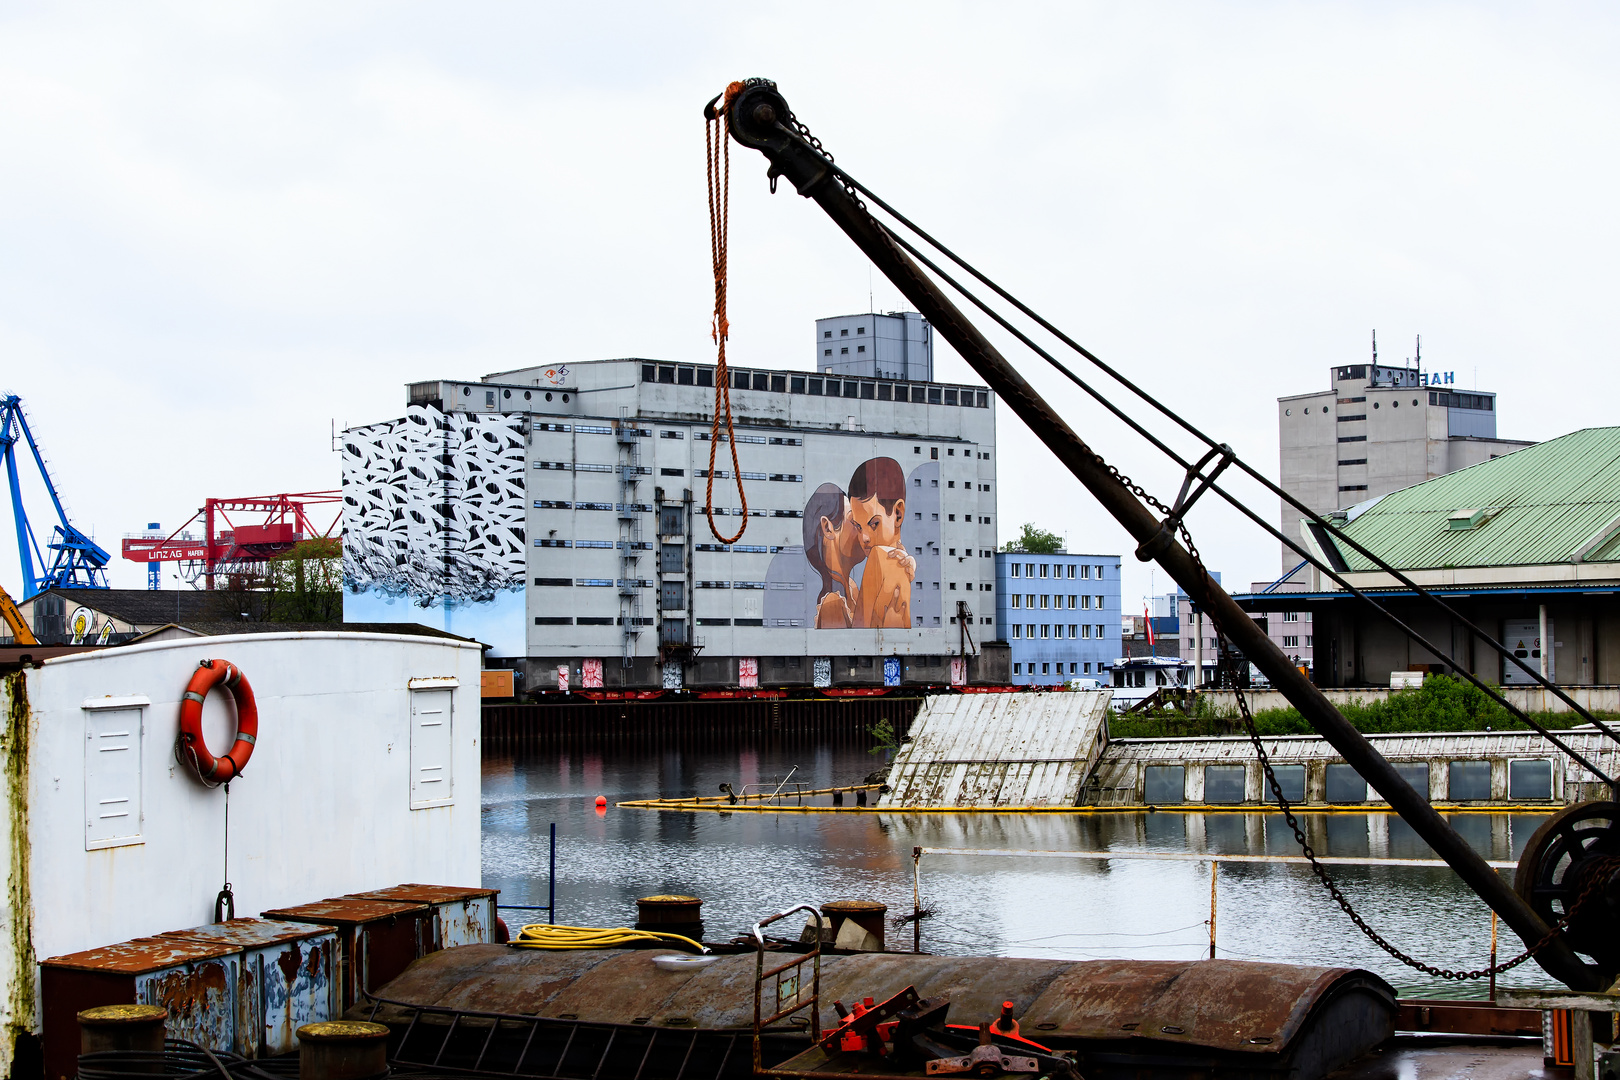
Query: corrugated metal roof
x=1542 y=505
x=1000 y=750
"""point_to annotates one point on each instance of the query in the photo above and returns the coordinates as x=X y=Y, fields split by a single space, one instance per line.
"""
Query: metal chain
x=1592 y=887
x=1591 y=890
x=804 y=133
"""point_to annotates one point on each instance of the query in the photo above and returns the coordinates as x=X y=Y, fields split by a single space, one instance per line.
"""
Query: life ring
x=190 y=747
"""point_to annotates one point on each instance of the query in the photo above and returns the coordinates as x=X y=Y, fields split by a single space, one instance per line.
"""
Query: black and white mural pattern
x=433 y=506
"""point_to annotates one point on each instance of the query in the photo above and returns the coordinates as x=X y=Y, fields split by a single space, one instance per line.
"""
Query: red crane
x=239 y=552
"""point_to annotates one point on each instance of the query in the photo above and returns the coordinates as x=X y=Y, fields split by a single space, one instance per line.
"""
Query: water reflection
x=745 y=865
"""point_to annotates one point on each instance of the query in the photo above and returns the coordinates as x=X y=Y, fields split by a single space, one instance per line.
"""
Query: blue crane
x=76 y=561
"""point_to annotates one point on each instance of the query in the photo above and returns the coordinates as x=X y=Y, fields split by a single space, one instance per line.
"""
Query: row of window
x=763 y=440
x=1055 y=630
x=645 y=508
x=1467 y=781
x=1291 y=641
x=1028 y=600
x=725 y=474
x=589 y=620
x=817 y=386
x=1345 y=419
x=1081 y=570
x=1082 y=667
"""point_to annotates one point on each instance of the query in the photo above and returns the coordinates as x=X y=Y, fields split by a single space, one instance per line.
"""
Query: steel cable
x=1192 y=429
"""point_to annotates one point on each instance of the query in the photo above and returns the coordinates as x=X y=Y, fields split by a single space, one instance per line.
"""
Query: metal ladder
x=629 y=538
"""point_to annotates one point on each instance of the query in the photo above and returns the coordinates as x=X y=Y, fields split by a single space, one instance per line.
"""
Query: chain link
x=1592 y=888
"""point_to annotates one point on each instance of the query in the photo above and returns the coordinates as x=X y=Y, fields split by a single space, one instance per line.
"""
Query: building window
x=1352 y=487
x=1029 y=569
x=1018 y=669
x=1085 y=668
x=1099 y=631
x=1098 y=605
x=1029 y=630
x=1018 y=630
x=1290 y=616
x=1290 y=641
x=1046 y=630
x=1043 y=569
x=1017 y=600
x=1072 y=630
x=1044 y=598
x=1014 y=569
x=1085 y=630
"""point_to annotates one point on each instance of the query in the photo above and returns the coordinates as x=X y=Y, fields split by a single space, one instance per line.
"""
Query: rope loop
x=717 y=153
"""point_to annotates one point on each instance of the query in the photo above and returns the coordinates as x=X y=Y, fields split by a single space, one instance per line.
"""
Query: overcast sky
x=226 y=226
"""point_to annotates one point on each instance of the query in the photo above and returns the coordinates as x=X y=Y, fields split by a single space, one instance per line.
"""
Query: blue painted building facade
x=1061 y=615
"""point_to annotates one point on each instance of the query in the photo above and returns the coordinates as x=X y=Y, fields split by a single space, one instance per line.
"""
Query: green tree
x=1034 y=541
x=305 y=584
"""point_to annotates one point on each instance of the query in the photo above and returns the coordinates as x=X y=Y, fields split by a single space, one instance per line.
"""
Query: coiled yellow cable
x=549 y=936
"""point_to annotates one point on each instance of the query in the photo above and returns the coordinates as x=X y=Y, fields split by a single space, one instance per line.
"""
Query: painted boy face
x=879 y=527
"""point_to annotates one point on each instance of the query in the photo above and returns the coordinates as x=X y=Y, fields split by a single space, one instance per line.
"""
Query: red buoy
x=601 y=800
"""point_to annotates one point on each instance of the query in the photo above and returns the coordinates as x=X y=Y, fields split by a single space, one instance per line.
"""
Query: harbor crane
x=1565 y=900
x=75 y=561
x=239 y=551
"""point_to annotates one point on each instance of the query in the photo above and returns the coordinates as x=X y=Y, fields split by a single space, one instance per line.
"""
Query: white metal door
x=112 y=777
x=432 y=728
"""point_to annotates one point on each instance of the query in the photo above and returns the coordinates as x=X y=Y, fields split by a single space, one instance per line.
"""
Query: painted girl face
x=878 y=527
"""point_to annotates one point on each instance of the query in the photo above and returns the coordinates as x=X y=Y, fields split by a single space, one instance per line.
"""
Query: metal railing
x=787 y=989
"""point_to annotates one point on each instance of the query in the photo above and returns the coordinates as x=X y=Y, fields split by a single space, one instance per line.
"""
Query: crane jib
x=761 y=120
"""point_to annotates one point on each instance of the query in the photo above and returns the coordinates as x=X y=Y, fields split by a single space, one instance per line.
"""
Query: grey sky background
x=226 y=226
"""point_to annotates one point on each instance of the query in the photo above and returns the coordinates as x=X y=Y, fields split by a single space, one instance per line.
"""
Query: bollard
x=867 y=914
x=342 y=1050
x=122 y=1028
x=671 y=913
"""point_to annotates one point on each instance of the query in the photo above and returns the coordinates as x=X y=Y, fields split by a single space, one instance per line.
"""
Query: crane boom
x=76 y=561
x=21 y=634
x=759 y=118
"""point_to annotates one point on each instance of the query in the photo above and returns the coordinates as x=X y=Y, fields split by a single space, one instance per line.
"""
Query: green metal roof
x=1535 y=506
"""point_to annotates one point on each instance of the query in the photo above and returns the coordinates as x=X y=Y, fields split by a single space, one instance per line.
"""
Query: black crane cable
x=855 y=185
x=1250 y=513
x=1179 y=420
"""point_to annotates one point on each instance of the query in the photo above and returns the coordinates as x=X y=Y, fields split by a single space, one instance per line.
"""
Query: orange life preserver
x=190 y=747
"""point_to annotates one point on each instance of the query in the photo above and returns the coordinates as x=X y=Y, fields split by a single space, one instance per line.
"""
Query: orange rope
x=717 y=147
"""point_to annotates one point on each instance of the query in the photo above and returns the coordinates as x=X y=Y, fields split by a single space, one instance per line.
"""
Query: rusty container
x=671 y=913
x=867 y=914
x=122 y=1028
x=461 y=916
x=377 y=939
x=342 y=1050
x=288 y=979
x=196 y=981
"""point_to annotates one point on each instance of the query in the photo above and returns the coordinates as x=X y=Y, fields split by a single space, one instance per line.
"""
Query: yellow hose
x=548 y=936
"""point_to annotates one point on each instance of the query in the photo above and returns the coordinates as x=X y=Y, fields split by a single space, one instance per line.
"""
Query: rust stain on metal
x=289 y=960
x=1216 y=1004
x=1220 y=1004
x=345 y=911
x=426 y=894
x=143 y=955
x=248 y=933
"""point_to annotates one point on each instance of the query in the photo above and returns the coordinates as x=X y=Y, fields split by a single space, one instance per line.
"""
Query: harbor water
x=745 y=865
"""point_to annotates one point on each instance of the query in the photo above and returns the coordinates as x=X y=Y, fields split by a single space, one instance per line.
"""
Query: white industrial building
x=558 y=513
